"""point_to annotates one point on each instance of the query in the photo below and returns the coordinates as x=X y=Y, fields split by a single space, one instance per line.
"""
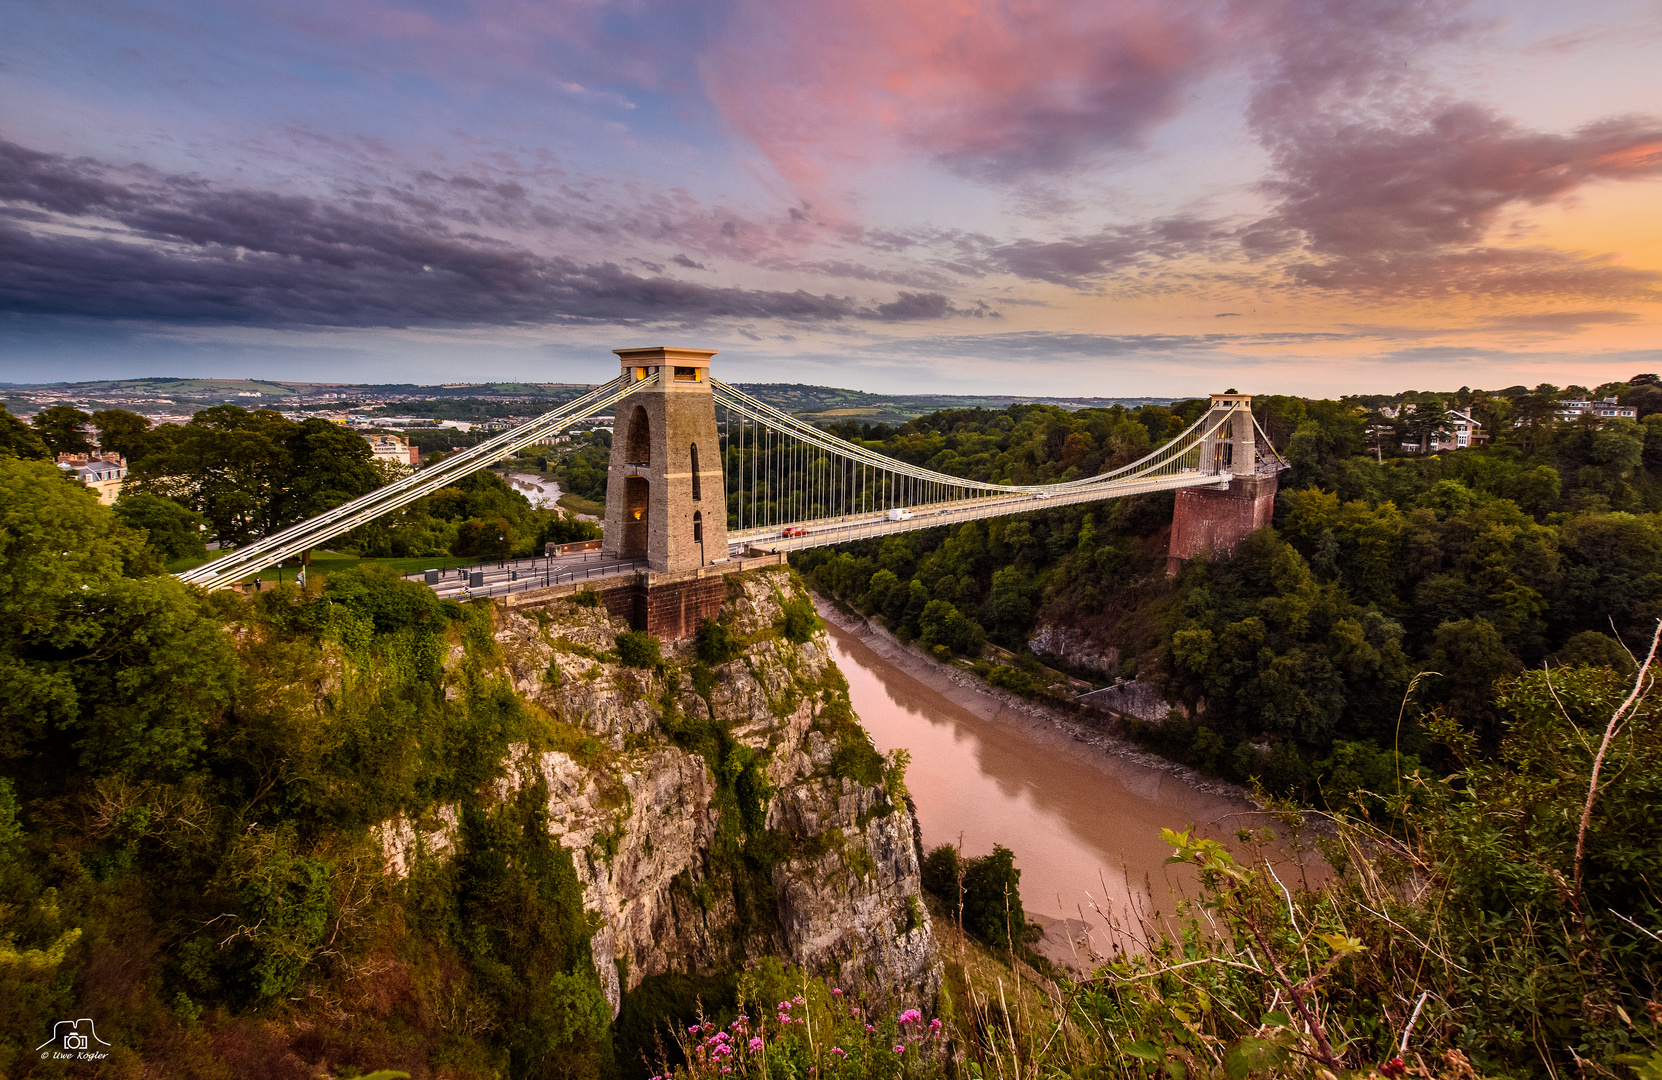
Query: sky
x=1033 y=197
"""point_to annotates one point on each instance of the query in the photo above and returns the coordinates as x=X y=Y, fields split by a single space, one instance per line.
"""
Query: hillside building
x=105 y=475
x=1603 y=409
x=393 y=448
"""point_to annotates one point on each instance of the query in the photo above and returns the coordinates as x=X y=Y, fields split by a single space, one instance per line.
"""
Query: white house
x=1571 y=410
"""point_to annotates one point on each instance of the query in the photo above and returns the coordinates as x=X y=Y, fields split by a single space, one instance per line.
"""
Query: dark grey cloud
x=910 y=307
x=177 y=250
x=1041 y=345
x=1077 y=261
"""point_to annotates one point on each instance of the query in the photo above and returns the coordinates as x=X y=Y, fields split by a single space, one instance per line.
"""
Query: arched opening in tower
x=698 y=492
x=637 y=494
x=638 y=448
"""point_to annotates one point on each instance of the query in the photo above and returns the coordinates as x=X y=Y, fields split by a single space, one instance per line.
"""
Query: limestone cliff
x=716 y=813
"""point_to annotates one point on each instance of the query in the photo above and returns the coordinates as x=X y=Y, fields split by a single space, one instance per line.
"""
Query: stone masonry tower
x=664 y=497
x=1217 y=519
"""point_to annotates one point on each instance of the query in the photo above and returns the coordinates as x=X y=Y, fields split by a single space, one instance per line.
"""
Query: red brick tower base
x=1207 y=519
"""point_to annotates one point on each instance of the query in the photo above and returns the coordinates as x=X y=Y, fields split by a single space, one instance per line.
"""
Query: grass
x=579 y=505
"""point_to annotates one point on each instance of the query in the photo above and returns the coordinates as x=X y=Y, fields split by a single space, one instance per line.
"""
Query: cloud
x=988 y=89
x=1478 y=272
x=1076 y=261
x=1041 y=346
x=1559 y=322
x=172 y=249
x=915 y=306
x=1388 y=189
x=1366 y=189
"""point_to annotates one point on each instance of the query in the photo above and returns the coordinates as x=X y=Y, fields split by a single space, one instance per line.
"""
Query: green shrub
x=716 y=642
x=941 y=868
x=800 y=621
x=639 y=649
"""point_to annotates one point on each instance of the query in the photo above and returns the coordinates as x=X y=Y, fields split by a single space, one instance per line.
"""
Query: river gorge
x=1082 y=814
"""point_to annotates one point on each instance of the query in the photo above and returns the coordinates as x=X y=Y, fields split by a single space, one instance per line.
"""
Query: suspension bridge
x=703 y=475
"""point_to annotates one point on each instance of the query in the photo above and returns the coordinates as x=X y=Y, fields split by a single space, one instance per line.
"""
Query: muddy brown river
x=1084 y=825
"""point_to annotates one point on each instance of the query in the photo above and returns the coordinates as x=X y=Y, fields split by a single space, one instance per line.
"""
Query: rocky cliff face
x=716 y=813
x=1074 y=646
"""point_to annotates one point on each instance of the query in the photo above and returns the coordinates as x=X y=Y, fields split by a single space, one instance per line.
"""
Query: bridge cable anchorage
x=313 y=532
x=783 y=499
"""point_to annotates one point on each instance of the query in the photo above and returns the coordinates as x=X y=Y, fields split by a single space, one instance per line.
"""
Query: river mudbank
x=1081 y=808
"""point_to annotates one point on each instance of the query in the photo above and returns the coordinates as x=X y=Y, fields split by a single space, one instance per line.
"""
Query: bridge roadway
x=513 y=575
x=839 y=530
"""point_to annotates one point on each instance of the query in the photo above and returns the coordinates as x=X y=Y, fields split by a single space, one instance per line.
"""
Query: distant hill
x=820 y=404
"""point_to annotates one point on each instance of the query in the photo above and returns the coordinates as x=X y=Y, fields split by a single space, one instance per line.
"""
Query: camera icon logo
x=79 y=1035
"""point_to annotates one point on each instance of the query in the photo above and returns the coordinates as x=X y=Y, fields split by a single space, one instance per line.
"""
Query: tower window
x=639 y=446
x=698 y=526
x=687 y=374
x=697 y=489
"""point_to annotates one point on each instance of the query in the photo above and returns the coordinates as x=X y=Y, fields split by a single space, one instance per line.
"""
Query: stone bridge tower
x=664 y=497
x=1217 y=519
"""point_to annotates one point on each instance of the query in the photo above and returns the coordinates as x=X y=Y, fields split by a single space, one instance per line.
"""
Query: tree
x=250 y=473
x=992 y=898
x=1470 y=657
x=62 y=427
x=175 y=531
x=330 y=465
x=122 y=432
x=1426 y=421
x=105 y=664
x=18 y=439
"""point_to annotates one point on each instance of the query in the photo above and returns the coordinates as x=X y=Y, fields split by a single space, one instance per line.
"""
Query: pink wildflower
x=755 y=1045
x=836 y=991
x=935 y=1024
x=838 y=1050
x=910 y=1016
x=900 y=1049
x=797 y=999
x=870 y=1028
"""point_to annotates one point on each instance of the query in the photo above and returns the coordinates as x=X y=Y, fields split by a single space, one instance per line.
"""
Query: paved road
x=514 y=575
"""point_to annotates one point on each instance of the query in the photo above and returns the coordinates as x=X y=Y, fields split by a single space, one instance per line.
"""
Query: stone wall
x=1209 y=520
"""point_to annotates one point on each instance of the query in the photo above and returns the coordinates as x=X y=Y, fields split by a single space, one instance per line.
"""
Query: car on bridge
x=794 y=530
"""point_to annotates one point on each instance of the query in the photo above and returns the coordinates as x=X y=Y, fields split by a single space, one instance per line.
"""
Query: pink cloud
x=991 y=89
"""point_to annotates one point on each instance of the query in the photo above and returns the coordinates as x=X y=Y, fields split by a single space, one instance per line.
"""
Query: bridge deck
x=841 y=530
x=517 y=575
